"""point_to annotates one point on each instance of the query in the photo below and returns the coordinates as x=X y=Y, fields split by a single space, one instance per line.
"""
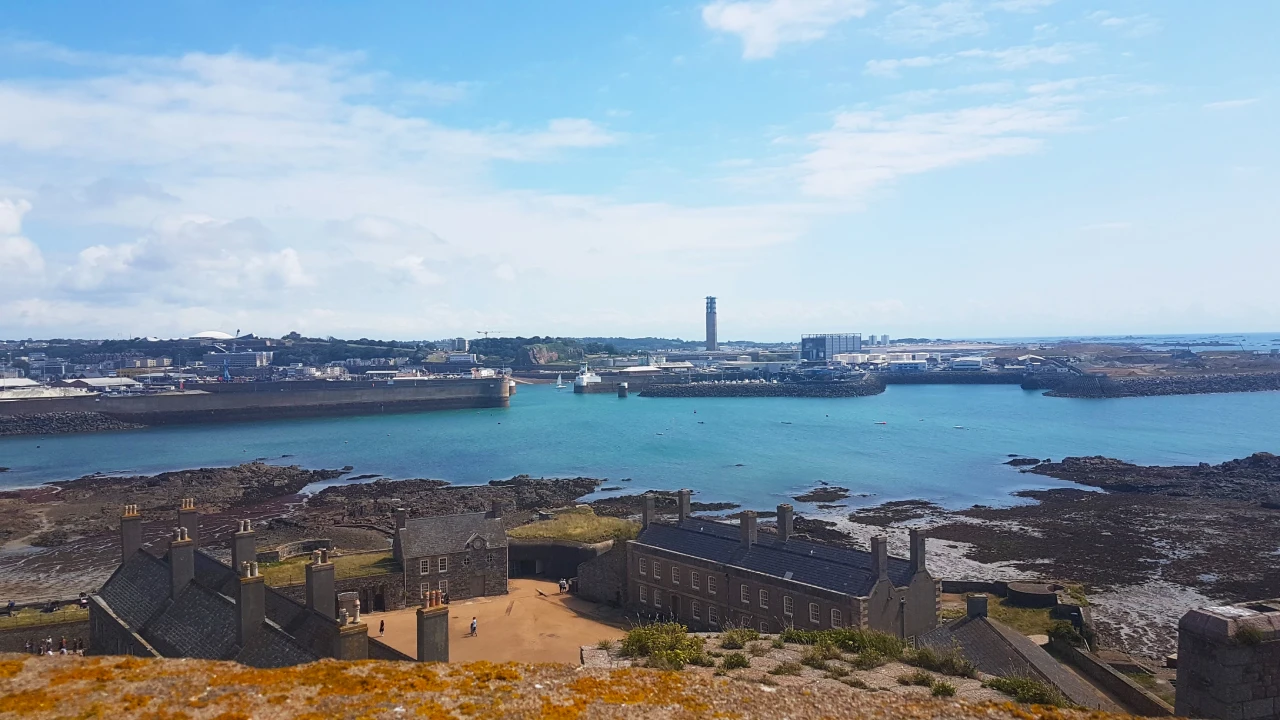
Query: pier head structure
x=710 y=575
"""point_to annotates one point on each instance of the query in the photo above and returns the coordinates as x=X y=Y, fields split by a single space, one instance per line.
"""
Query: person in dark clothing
x=382 y=627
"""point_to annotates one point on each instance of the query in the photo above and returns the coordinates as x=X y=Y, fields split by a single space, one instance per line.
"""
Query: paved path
x=532 y=623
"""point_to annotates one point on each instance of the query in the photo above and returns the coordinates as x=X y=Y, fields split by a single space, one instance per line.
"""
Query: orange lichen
x=92 y=671
x=30 y=701
x=130 y=703
x=9 y=668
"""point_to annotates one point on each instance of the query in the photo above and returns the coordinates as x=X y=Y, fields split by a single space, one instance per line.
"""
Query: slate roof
x=443 y=534
x=832 y=567
x=997 y=649
x=201 y=621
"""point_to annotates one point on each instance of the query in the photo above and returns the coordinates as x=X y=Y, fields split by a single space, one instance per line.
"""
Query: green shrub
x=1247 y=635
x=605 y=644
x=787 y=668
x=848 y=639
x=737 y=638
x=943 y=689
x=1027 y=690
x=816 y=656
x=919 y=677
x=1063 y=631
x=837 y=671
x=757 y=649
x=947 y=662
x=666 y=645
x=734 y=661
x=869 y=660
x=855 y=682
x=778 y=644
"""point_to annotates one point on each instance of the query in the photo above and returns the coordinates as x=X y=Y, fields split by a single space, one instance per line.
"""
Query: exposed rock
x=824 y=494
x=1252 y=479
x=664 y=501
x=1021 y=461
x=1091 y=386
x=60 y=422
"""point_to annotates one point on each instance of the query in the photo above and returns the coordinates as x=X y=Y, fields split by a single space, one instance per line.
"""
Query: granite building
x=710 y=575
x=1229 y=661
x=461 y=556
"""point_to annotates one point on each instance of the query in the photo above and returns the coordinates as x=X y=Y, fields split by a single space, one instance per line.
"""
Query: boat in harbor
x=560 y=382
x=585 y=379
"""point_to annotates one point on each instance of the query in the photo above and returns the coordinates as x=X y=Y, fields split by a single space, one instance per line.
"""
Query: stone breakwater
x=1089 y=386
x=859 y=388
x=61 y=422
x=949 y=377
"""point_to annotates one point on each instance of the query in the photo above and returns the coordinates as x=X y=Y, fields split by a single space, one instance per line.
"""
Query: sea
x=943 y=443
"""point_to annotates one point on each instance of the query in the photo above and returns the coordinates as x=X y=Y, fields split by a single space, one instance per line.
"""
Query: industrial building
x=712 y=343
x=824 y=348
x=250 y=359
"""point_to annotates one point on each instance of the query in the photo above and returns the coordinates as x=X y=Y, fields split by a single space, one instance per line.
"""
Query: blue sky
x=420 y=170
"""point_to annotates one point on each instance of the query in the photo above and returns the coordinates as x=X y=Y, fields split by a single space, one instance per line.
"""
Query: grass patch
x=757 y=649
x=1247 y=635
x=777 y=644
x=1028 y=621
x=1027 y=690
x=668 y=646
x=581 y=525
x=817 y=656
x=787 y=668
x=33 y=617
x=293 y=571
x=942 y=688
x=869 y=660
x=605 y=644
x=947 y=662
x=919 y=677
x=735 y=661
x=856 y=683
x=835 y=672
x=737 y=638
x=1149 y=683
x=848 y=639
x=952 y=613
x=1076 y=592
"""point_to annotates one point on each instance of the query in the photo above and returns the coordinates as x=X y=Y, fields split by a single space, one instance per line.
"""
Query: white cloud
x=864 y=150
x=917 y=24
x=21 y=262
x=891 y=68
x=1011 y=58
x=437 y=92
x=1022 y=5
x=1230 y=104
x=1133 y=26
x=764 y=25
x=11 y=212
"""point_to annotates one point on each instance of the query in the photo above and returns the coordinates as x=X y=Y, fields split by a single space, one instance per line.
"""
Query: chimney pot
x=747 y=527
x=786 y=521
x=976 y=605
x=189 y=520
x=130 y=532
x=646 y=511
x=683 y=500
x=321 y=592
x=182 y=562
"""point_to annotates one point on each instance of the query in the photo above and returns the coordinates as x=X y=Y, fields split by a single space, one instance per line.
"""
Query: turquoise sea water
x=753 y=451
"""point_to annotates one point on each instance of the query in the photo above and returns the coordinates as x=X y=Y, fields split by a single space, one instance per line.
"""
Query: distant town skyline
x=926 y=168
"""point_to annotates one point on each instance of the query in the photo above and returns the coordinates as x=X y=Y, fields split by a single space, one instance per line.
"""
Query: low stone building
x=462 y=556
x=1229 y=662
x=710 y=575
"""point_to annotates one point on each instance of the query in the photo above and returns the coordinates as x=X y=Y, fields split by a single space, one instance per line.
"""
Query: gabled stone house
x=462 y=556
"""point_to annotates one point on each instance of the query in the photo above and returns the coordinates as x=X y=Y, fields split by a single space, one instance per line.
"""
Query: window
x=713 y=615
x=836 y=620
x=788 y=606
x=711 y=584
x=424 y=567
x=696 y=609
x=644 y=566
x=657 y=599
x=657 y=570
x=489 y=558
x=764 y=626
x=695 y=580
x=442 y=564
x=745 y=594
x=644 y=595
x=423 y=589
x=813 y=613
x=675 y=576
x=466 y=560
x=443 y=586
x=764 y=599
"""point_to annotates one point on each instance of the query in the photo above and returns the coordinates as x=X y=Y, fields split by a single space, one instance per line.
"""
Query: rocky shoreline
x=61 y=422
x=1089 y=386
x=853 y=388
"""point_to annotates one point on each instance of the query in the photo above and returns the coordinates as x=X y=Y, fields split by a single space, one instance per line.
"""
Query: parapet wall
x=1229 y=662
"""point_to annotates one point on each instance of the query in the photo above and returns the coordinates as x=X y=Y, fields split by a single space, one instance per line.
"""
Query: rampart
x=1099 y=386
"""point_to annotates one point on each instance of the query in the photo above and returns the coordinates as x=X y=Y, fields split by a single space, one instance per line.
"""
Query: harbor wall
x=952 y=377
x=276 y=400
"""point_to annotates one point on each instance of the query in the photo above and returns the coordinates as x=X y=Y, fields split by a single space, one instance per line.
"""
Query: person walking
x=382 y=627
x=475 y=628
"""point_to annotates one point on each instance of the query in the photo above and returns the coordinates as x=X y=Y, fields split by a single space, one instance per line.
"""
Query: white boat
x=584 y=379
x=560 y=382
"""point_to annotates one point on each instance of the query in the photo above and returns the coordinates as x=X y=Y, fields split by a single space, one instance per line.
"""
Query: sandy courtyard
x=521 y=626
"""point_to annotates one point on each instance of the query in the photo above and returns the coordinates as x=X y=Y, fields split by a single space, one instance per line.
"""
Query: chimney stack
x=182 y=562
x=683 y=501
x=917 y=551
x=880 y=557
x=433 y=628
x=401 y=517
x=786 y=522
x=495 y=509
x=321 y=595
x=251 y=604
x=747 y=527
x=130 y=532
x=189 y=520
x=976 y=605
x=244 y=546
x=646 y=511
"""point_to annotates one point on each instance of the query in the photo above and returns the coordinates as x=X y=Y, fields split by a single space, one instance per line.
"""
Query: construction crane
x=486 y=333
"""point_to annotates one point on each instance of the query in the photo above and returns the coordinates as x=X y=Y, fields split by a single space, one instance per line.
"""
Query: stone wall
x=1121 y=687
x=12 y=639
x=952 y=377
x=465 y=573
x=293 y=549
x=552 y=559
x=1091 y=386
x=603 y=579
x=1229 y=662
x=377 y=592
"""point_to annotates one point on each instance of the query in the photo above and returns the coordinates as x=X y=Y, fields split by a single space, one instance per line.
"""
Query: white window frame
x=657 y=570
x=675 y=575
x=644 y=595
x=442 y=564
x=424 y=566
x=837 y=619
x=423 y=589
x=695 y=579
x=443 y=586
x=711 y=584
x=657 y=598
x=815 y=614
x=788 y=606
x=696 y=608
x=744 y=593
x=713 y=615
x=764 y=599
x=644 y=566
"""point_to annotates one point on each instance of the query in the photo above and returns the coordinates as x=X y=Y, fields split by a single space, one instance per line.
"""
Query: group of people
x=49 y=647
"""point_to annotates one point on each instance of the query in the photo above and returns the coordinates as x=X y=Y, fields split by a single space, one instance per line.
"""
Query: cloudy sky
x=421 y=170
